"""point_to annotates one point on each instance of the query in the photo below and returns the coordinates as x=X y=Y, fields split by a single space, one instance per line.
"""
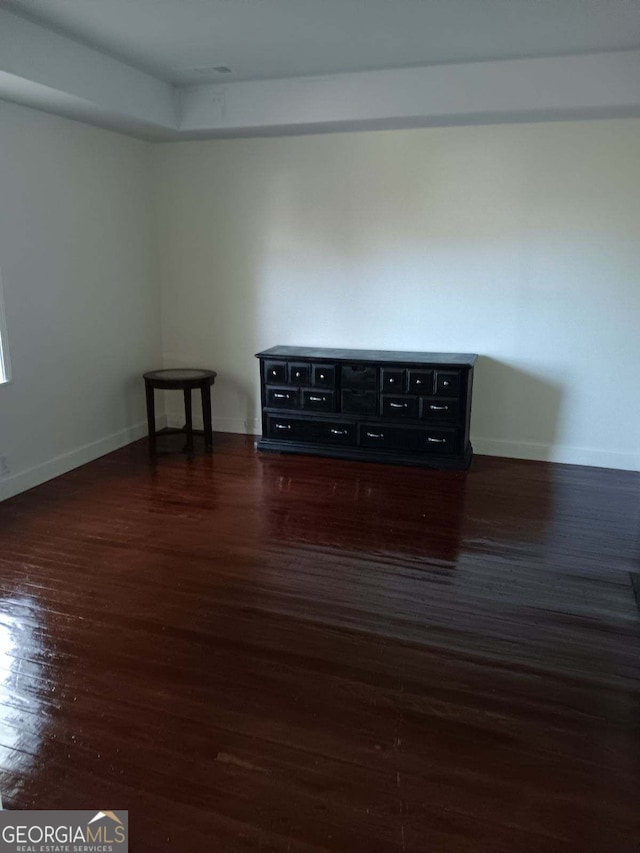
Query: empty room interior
x=320 y=426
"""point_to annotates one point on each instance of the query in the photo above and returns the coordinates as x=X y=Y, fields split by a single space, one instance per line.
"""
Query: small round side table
x=186 y=380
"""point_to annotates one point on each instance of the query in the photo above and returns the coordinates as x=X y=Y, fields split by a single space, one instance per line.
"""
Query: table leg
x=151 y=417
x=188 y=417
x=205 y=390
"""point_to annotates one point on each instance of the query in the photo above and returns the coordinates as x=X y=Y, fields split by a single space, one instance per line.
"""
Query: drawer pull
x=398 y=405
x=437 y=440
x=274 y=372
x=280 y=396
x=297 y=374
x=337 y=431
x=322 y=376
x=375 y=435
x=391 y=381
x=446 y=383
x=318 y=399
x=439 y=408
x=282 y=426
x=418 y=381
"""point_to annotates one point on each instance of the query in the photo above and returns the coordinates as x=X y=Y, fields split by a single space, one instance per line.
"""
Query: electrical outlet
x=4 y=466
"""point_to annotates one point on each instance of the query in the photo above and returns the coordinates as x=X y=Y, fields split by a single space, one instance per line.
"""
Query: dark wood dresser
x=410 y=408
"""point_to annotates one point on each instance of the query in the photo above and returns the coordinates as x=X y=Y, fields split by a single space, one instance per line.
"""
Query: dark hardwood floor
x=270 y=653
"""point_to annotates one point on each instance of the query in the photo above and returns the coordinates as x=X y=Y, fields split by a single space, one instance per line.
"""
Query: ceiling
x=181 y=41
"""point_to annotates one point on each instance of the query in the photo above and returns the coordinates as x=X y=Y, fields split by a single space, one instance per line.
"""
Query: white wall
x=81 y=302
x=518 y=242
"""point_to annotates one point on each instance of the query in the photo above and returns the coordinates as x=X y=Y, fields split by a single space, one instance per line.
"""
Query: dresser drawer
x=319 y=401
x=333 y=432
x=358 y=376
x=439 y=410
x=408 y=439
x=399 y=406
x=283 y=398
x=312 y=431
x=323 y=376
x=275 y=372
x=440 y=441
x=384 y=437
x=289 y=429
x=392 y=379
x=447 y=383
x=299 y=374
x=356 y=402
x=421 y=381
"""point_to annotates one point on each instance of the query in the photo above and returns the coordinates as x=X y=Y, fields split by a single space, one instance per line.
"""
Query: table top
x=453 y=359
x=181 y=374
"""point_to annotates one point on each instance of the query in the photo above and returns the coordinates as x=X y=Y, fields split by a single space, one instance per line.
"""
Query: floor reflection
x=355 y=544
x=21 y=687
x=398 y=514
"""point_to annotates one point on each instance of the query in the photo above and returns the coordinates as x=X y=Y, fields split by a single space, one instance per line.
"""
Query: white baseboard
x=30 y=477
x=565 y=454
x=251 y=426
x=38 y=474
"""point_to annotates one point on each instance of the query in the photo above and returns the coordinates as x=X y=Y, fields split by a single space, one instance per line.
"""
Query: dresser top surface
x=455 y=359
